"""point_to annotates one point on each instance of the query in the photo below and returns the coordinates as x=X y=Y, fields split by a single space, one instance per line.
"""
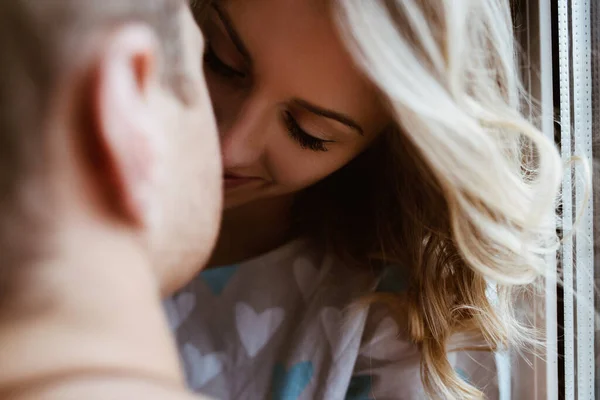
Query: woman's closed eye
x=226 y=71
x=306 y=140
x=219 y=66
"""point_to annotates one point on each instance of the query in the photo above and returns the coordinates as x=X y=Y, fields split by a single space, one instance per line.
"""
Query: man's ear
x=128 y=128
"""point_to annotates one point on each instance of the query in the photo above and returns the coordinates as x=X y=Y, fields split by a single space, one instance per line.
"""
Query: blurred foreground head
x=105 y=121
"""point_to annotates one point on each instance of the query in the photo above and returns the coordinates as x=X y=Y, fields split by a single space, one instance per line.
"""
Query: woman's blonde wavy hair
x=462 y=190
x=459 y=194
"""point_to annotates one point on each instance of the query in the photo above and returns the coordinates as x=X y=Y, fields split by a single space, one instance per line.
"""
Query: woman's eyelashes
x=219 y=66
x=235 y=76
x=305 y=140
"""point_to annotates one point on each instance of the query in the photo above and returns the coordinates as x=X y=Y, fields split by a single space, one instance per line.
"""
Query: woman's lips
x=233 y=181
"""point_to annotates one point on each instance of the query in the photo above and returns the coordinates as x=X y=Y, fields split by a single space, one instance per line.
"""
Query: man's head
x=105 y=117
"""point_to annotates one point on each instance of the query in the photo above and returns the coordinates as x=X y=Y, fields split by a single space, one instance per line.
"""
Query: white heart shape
x=306 y=276
x=386 y=344
x=254 y=329
x=202 y=368
x=179 y=308
x=338 y=333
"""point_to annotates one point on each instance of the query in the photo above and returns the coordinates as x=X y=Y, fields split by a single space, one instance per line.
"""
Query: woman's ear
x=127 y=127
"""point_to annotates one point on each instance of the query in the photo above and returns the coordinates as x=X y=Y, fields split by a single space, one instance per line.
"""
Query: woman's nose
x=244 y=137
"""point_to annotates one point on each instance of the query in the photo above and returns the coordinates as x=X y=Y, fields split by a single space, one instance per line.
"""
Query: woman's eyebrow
x=323 y=112
x=232 y=33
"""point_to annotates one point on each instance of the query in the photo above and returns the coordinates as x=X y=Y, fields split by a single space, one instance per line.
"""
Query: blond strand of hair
x=449 y=72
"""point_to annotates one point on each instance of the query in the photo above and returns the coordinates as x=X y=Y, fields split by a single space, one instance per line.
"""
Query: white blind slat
x=584 y=252
x=564 y=57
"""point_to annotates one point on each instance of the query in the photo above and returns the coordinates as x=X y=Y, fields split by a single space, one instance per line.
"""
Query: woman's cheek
x=298 y=173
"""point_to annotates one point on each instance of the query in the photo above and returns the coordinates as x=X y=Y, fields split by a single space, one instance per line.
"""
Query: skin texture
x=91 y=312
x=110 y=388
x=187 y=190
x=266 y=81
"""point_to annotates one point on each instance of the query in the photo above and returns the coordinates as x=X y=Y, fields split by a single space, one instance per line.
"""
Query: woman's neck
x=253 y=229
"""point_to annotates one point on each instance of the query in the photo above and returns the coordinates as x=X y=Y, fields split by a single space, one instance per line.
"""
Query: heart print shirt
x=285 y=326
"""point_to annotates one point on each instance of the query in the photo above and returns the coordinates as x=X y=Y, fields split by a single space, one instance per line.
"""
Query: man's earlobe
x=127 y=126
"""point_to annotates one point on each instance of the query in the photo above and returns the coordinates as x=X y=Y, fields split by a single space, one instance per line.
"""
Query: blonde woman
x=380 y=183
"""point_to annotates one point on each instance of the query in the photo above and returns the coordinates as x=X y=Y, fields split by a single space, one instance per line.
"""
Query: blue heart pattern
x=218 y=278
x=289 y=385
x=360 y=388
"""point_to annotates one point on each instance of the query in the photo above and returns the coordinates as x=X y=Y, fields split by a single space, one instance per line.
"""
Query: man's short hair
x=40 y=41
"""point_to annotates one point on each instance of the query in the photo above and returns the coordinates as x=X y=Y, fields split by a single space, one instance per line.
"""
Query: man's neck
x=93 y=306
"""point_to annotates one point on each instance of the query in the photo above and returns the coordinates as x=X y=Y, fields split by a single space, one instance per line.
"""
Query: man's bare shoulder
x=107 y=389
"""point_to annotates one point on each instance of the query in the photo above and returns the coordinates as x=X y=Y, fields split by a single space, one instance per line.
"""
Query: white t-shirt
x=281 y=327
